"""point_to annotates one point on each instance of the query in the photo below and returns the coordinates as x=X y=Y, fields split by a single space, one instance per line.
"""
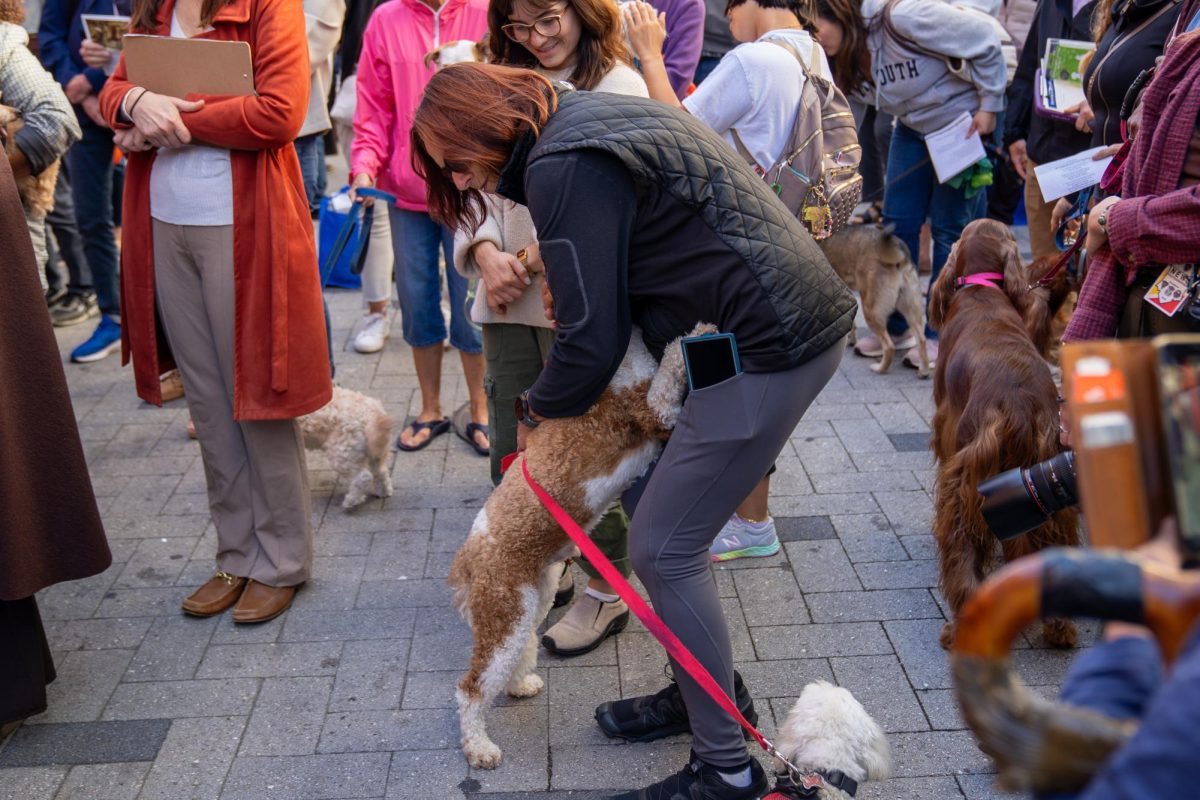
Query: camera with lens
x=1134 y=409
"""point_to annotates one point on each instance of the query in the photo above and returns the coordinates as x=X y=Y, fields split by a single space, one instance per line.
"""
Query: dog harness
x=993 y=279
x=798 y=785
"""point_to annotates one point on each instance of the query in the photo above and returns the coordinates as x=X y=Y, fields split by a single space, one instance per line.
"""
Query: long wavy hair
x=145 y=13
x=1102 y=18
x=852 y=65
x=475 y=113
x=601 y=40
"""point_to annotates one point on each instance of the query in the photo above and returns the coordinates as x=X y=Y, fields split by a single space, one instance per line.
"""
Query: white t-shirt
x=755 y=89
x=191 y=185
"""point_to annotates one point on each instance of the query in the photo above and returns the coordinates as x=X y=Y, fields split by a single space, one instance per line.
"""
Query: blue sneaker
x=106 y=338
x=739 y=538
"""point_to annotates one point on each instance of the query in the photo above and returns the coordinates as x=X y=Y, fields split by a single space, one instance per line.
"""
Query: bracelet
x=135 y=102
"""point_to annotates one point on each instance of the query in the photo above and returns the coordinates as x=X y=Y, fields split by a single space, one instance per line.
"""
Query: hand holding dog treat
x=503 y=274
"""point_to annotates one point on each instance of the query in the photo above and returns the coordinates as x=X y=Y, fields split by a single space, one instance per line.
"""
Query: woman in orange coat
x=217 y=238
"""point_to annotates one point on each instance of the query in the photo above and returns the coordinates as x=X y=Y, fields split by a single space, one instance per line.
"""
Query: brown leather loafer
x=260 y=602
x=221 y=591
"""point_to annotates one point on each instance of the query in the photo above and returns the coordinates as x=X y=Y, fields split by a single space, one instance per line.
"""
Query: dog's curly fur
x=828 y=730
x=996 y=409
x=355 y=432
x=876 y=263
x=37 y=191
x=505 y=574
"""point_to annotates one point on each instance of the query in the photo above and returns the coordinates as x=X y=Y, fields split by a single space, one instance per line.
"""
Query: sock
x=738 y=778
x=601 y=596
x=757 y=525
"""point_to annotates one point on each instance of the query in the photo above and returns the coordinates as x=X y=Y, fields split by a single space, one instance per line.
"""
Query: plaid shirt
x=50 y=126
x=1157 y=221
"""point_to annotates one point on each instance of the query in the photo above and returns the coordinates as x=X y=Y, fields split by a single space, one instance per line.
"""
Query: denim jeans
x=416 y=239
x=912 y=195
x=311 y=152
x=65 y=244
x=91 y=166
x=705 y=67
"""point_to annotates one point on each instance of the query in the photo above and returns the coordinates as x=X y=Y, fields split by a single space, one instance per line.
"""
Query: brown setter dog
x=996 y=407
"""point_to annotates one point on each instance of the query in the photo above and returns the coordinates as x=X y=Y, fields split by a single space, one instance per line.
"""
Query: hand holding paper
x=1071 y=174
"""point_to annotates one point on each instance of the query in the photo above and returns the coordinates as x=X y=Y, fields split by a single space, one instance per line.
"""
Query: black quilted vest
x=671 y=149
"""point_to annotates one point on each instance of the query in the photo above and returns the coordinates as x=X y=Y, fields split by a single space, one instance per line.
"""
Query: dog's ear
x=942 y=290
x=483 y=49
x=432 y=56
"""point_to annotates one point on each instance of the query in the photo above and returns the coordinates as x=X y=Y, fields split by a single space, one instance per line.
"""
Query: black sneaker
x=55 y=295
x=700 y=781
x=655 y=716
x=74 y=309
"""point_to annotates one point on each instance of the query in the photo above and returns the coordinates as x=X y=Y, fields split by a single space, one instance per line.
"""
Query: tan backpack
x=816 y=177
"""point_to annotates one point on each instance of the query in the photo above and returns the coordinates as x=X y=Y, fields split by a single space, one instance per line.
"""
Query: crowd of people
x=549 y=193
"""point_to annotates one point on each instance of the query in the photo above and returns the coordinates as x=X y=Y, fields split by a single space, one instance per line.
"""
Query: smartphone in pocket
x=710 y=359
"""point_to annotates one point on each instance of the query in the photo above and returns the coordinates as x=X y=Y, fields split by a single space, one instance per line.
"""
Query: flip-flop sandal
x=436 y=428
x=466 y=430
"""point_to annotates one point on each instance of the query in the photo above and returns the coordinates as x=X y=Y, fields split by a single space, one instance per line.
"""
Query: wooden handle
x=1039 y=745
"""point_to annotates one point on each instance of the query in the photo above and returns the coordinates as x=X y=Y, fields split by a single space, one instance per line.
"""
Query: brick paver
x=349 y=694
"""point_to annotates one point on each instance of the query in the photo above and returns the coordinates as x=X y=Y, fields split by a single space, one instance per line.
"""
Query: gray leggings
x=725 y=441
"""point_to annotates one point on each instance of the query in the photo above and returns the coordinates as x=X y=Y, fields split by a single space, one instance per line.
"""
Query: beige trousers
x=257 y=478
x=1038 y=212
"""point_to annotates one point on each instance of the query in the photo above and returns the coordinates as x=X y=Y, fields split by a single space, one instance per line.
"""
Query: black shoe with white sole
x=701 y=781
x=655 y=716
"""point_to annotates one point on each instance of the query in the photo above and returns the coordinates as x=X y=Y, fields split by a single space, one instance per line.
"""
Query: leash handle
x=670 y=642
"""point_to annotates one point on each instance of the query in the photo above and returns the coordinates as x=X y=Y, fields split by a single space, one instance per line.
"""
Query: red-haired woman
x=645 y=216
x=221 y=282
x=581 y=42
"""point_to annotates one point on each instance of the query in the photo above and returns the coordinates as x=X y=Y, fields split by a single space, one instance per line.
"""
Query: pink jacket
x=391 y=78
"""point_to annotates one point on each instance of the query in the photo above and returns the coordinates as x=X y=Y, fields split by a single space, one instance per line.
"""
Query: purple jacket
x=685 y=37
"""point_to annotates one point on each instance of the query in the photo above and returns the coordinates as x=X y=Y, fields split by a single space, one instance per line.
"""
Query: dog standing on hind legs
x=504 y=576
x=996 y=408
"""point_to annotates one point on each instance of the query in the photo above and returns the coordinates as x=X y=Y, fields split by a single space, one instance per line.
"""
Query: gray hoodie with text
x=916 y=84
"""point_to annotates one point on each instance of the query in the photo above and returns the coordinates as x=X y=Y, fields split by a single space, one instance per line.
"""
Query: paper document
x=106 y=29
x=951 y=150
x=1071 y=174
x=1062 y=76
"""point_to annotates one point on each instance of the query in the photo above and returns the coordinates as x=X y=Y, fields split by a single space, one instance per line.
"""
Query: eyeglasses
x=548 y=26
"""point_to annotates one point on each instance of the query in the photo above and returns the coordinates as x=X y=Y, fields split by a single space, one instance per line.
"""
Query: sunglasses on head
x=546 y=26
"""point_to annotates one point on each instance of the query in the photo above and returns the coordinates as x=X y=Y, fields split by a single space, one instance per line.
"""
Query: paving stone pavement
x=349 y=695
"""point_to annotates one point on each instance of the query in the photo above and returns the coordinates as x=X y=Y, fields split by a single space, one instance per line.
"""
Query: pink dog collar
x=993 y=279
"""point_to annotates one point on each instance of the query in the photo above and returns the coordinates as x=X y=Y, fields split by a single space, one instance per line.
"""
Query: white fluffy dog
x=830 y=737
x=355 y=432
x=460 y=51
x=505 y=574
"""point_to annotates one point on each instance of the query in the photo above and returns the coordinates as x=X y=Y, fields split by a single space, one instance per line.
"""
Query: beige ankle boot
x=587 y=623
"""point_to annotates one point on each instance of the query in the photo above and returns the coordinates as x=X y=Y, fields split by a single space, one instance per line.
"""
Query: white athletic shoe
x=373 y=332
x=739 y=538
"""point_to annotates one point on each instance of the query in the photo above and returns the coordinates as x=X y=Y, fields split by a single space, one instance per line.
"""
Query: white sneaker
x=373 y=332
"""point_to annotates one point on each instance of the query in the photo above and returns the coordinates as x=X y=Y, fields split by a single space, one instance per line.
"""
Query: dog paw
x=483 y=756
x=878 y=368
x=924 y=374
x=947 y=637
x=528 y=686
x=352 y=502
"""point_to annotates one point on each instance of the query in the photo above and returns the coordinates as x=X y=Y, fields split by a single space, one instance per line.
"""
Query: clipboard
x=180 y=67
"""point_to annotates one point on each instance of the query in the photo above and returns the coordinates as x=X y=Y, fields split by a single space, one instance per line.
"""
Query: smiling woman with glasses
x=582 y=38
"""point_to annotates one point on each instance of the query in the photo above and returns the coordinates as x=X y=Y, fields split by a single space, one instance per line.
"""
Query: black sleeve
x=1020 y=91
x=583 y=205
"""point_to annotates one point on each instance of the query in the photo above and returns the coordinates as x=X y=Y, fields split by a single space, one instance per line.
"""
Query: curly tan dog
x=996 y=405
x=355 y=432
x=37 y=191
x=505 y=574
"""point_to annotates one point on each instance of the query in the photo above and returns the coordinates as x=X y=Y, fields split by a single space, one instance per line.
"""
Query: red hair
x=475 y=113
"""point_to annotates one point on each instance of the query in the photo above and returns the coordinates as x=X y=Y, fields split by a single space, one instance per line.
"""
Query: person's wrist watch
x=522 y=411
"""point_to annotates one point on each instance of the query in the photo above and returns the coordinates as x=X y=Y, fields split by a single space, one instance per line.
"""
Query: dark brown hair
x=12 y=11
x=475 y=113
x=803 y=9
x=601 y=40
x=851 y=66
x=145 y=13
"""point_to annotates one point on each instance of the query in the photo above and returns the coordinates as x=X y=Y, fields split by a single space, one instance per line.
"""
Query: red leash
x=656 y=626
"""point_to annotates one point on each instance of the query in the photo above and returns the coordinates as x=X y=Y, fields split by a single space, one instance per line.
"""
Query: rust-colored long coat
x=281 y=362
